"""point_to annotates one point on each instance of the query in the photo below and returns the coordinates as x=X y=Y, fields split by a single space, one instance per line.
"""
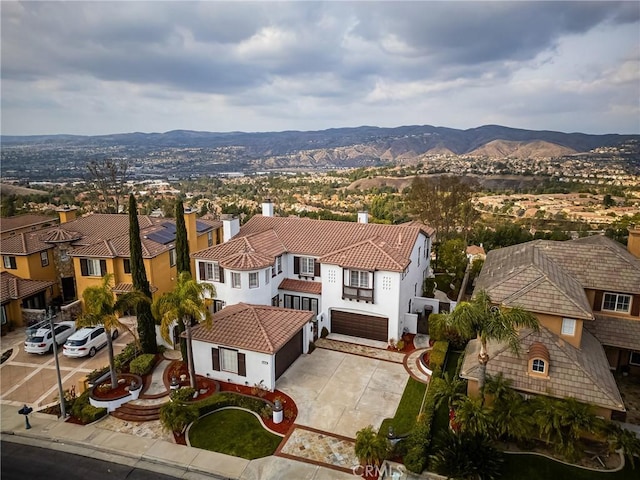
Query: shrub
x=400 y=345
x=312 y=347
x=438 y=354
x=266 y=412
x=370 y=448
x=324 y=332
x=429 y=287
x=84 y=411
x=259 y=390
x=289 y=413
x=175 y=416
x=143 y=364
x=183 y=394
x=229 y=399
x=124 y=358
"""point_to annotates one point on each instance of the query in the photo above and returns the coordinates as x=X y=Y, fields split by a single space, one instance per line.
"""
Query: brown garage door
x=356 y=325
x=288 y=354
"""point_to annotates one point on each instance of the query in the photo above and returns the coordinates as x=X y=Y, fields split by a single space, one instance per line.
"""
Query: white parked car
x=87 y=341
x=41 y=341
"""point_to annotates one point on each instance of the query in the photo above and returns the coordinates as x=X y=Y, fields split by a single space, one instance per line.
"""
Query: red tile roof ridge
x=378 y=243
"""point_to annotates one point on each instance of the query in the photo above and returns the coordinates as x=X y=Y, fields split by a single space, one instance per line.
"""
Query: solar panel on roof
x=170 y=227
x=202 y=227
x=162 y=237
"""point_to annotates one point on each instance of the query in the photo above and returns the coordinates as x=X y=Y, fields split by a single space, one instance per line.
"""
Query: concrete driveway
x=31 y=379
x=341 y=393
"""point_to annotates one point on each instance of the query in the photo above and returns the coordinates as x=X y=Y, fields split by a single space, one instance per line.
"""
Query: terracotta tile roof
x=301 y=286
x=579 y=373
x=523 y=275
x=258 y=328
x=475 y=250
x=13 y=288
x=616 y=331
x=370 y=254
x=23 y=244
x=272 y=236
x=60 y=235
x=128 y=287
x=8 y=224
x=246 y=260
x=426 y=229
x=266 y=244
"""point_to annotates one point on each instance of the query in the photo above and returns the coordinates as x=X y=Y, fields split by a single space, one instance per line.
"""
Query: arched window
x=538 y=365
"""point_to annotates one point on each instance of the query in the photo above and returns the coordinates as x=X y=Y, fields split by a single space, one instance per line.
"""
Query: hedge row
x=143 y=364
x=230 y=399
x=419 y=440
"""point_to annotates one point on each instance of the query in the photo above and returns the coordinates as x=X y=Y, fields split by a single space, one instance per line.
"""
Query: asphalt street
x=25 y=462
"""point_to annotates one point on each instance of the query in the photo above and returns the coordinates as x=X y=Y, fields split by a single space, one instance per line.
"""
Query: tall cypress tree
x=182 y=244
x=146 y=323
x=183 y=264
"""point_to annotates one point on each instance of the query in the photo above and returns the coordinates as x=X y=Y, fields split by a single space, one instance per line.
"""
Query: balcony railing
x=357 y=293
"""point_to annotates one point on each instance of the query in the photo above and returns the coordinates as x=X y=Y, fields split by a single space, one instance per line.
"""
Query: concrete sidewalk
x=150 y=454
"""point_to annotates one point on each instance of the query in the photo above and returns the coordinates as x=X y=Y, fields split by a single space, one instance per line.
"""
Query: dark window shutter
x=242 y=365
x=597 y=302
x=296 y=265
x=203 y=271
x=221 y=274
x=12 y=262
x=316 y=268
x=103 y=268
x=83 y=267
x=635 y=306
x=215 y=358
x=127 y=265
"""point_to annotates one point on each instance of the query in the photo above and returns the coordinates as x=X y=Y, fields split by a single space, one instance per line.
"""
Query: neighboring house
x=358 y=279
x=80 y=251
x=18 y=294
x=28 y=222
x=251 y=344
x=586 y=296
x=475 y=252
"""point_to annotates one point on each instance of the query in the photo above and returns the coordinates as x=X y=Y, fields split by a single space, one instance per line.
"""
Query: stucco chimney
x=192 y=232
x=230 y=226
x=267 y=208
x=363 y=217
x=633 y=244
x=67 y=213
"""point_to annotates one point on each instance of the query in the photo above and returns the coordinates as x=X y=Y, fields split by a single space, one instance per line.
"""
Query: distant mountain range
x=345 y=146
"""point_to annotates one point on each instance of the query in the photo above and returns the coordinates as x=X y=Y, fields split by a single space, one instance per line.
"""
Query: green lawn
x=535 y=467
x=408 y=409
x=234 y=432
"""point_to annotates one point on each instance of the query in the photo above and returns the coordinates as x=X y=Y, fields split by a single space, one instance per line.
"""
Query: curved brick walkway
x=411 y=364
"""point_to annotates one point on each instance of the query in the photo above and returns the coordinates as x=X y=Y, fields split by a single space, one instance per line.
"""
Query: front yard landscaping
x=408 y=409
x=234 y=432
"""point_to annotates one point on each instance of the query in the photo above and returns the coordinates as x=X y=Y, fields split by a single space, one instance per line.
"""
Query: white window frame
x=536 y=364
x=254 y=280
x=236 y=280
x=279 y=264
x=212 y=272
x=210 y=239
x=6 y=261
x=44 y=258
x=228 y=360
x=569 y=326
x=616 y=302
x=307 y=266
x=267 y=277
x=173 y=258
x=93 y=267
x=631 y=354
x=359 y=276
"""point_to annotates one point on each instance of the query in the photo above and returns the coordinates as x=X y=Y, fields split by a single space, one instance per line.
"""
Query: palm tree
x=500 y=389
x=186 y=303
x=474 y=417
x=481 y=318
x=447 y=389
x=512 y=418
x=102 y=308
x=370 y=448
x=626 y=440
x=463 y=455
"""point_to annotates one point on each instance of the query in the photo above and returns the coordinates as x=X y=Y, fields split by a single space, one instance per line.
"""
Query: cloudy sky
x=109 y=67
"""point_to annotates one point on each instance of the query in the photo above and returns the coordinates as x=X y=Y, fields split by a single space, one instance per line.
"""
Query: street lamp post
x=51 y=316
